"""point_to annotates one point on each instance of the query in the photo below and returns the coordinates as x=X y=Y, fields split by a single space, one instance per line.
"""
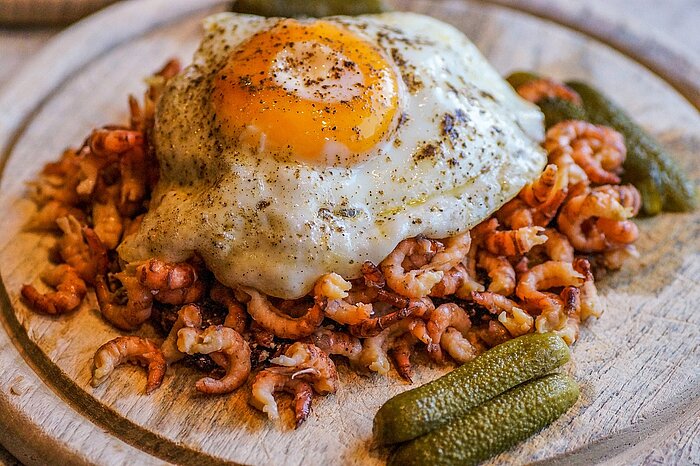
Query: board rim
x=11 y=129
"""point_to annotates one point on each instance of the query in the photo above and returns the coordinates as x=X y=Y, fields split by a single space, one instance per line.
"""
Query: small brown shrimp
x=492 y=334
x=456 y=249
x=158 y=275
x=345 y=313
x=595 y=204
x=132 y=349
x=459 y=347
x=538 y=191
x=274 y=379
x=133 y=167
x=171 y=283
x=539 y=89
x=558 y=247
x=335 y=342
x=372 y=275
x=415 y=283
x=571 y=311
x=45 y=218
x=439 y=319
x=107 y=221
x=514 y=319
x=590 y=302
x=598 y=150
x=227 y=342
x=500 y=271
x=70 y=291
x=134 y=312
x=279 y=323
x=453 y=281
x=188 y=316
x=334 y=290
x=406 y=307
x=80 y=248
x=312 y=365
x=422 y=253
x=375 y=349
x=91 y=168
x=514 y=242
x=190 y=294
x=545 y=276
x=237 y=317
x=105 y=142
x=401 y=352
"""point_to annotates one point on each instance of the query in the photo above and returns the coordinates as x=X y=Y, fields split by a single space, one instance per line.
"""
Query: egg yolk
x=311 y=91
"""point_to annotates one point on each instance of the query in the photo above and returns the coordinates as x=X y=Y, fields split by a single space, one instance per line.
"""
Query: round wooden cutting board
x=638 y=366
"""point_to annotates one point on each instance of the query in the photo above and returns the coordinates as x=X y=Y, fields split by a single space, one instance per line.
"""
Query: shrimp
x=401 y=352
x=312 y=365
x=80 y=248
x=134 y=170
x=237 y=317
x=514 y=242
x=598 y=150
x=345 y=313
x=545 y=276
x=275 y=379
x=558 y=247
x=129 y=349
x=134 y=312
x=459 y=347
x=171 y=283
x=407 y=307
x=229 y=344
x=158 y=275
x=500 y=271
x=107 y=222
x=574 y=218
x=514 y=319
x=538 y=191
x=106 y=142
x=572 y=315
x=456 y=249
x=373 y=276
x=415 y=283
x=45 y=218
x=70 y=291
x=335 y=342
x=454 y=281
x=374 y=354
x=279 y=323
x=439 y=319
x=590 y=302
x=542 y=88
x=188 y=316
x=493 y=334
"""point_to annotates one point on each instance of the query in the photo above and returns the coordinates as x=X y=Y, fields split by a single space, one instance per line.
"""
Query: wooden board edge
x=57 y=450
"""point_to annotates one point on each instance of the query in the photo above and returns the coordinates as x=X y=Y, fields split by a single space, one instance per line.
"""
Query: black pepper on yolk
x=310 y=91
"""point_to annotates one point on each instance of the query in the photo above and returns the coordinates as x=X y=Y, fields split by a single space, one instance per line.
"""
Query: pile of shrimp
x=525 y=269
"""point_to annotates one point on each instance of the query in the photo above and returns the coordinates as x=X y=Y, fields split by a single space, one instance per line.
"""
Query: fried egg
x=293 y=148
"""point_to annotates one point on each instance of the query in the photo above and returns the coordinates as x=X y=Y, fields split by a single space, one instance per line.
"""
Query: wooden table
x=673 y=26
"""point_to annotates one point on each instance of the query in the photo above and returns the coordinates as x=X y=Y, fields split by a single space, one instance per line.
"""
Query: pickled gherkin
x=315 y=8
x=493 y=426
x=423 y=409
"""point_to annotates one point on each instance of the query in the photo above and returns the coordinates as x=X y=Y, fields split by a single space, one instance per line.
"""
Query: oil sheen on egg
x=293 y=148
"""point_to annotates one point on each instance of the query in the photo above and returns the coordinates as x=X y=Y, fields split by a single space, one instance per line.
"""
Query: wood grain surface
x=637 y=366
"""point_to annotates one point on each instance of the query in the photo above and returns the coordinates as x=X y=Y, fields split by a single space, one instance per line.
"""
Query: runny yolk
x=310 y=91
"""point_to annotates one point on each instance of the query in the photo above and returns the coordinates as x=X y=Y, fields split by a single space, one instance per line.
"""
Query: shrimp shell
x=70 y=291
x=311 y=364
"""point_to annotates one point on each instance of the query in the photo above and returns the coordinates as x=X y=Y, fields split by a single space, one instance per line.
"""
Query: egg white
x=465 y=144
